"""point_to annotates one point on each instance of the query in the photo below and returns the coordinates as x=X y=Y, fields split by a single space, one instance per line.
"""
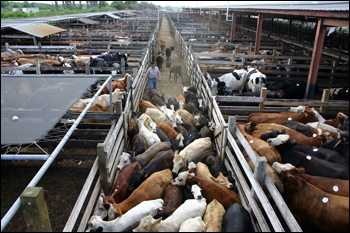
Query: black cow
x=159 y=61
x=236 y=219
x=292 y=89
x=291 y=153
x=115 y=58
x=172 y=101
x=339 y=93
x=168 y=54
x=99 y=62
x=191 y=97
x=300 y=127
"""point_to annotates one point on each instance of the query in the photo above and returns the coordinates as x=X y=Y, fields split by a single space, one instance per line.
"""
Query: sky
x=180 y=3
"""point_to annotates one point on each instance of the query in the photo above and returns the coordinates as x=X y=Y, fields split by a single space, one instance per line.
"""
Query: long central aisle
x=166 y=86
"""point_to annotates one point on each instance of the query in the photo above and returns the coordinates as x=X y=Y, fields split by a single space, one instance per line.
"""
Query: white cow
x=148 y=122
x=157 y=115
x=234 y=81
x=320 y=125
x=150 y=137
x=193 y=225
x=124 y=160
x=190 y=152
x=169 y=113
x=131 y=217
x=118 y=94
x=256 y=80
x=177 y=116
x=191 y=208
x=301 y=108
x=185 y=115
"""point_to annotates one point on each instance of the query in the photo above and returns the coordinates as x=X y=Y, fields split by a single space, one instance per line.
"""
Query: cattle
x=320 y=125
x=189 y=88
x=172 y=197
x=151 y=152
x=148 y=121
x=170 y=114
x=280 y=118
x=159 y=61
x=301 y=128
x=98 y=62
x=255 y=80
x=150 y=137
x=213 y=216
x=339 y=146
x=157 y=101
x=11 y=52
x=120 y=84
x=181 y=98
x=324 y=211
x=125 y=159
x=295 y=136
x=236 y=219
x=168 y=54
x=189 y=209
x=104 y=100
x=202 y=156
x=144 y=104
x=177 y=70
x=203 y=171
x=301 y=109
x=163 y=160
x=190 y=152
x=138 y=144
x=172 y=101
x=133 y=216
x=326 y=184
x=191 y=97
x=153 y=92
x=193 y=225
x=171 y=132
x=185 y=115
x=292 y=89
x=162 y=135
x=340 y=120
x=200 y=120
x=210 y=189
x=192 y=108
x=114 y=58
x=232 y=81
x=339 y=93
x=162 y=47
x=158 y=116
x=261 y=147
x=205 y=132
x=119 y=189
x=313 y=165
x=151 y=188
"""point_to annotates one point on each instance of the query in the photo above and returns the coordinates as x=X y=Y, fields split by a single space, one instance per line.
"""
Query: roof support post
x=233 y=26
x=258 y=34
x=210 y=17
x=315 y=60
x=199 y=16
x=219 y=21
x=203 y=18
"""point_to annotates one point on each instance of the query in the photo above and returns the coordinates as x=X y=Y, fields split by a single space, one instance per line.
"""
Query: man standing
x=152 y=74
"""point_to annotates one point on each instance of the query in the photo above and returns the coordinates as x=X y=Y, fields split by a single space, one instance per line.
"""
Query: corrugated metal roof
x=88 y=21
x=37 y=29
x=112 y=16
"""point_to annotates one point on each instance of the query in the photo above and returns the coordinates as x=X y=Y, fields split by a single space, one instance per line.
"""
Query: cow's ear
x=136 y=168
x=199 y=184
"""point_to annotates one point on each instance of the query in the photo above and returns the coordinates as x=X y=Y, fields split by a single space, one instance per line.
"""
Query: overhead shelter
x=324 y=13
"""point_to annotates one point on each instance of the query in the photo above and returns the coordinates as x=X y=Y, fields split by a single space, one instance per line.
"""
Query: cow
x=98 y=62
x=191 y=97
x=158 y=116
x=152 y=188
x=313 y=165
x=133 y=216
x=168 y=54
x=341 y=93
x=104 y=99
x=280 y=118
x=163 y=160
x=185 y=115
x=159 y=61
x=261 y=147
x=255 y=80
x=189 y=209
x=150 y=137
x=170 y=114
x=171 y=132
x=203 y=171
x=125 y=159
x=210 y=189
x=200 y=120
x=232 y=81
x=236 y=219
x=119 y=189
x=213 y=216
x=193 y=225
x=110 y=59
x=138 y=144
x=324 y=211
x=190 y=152
x=151 y=152
x=120 y=84
x=148 y=121
x=340 y=120
x=192 y=108
x=177 y=70
x=144 y=104
x=157 y=101
x=292 y=89
x=172 y=197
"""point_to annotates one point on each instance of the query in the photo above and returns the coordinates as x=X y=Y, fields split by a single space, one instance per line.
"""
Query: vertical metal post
x=258 y=34
x=110 y=96
x=233 y=27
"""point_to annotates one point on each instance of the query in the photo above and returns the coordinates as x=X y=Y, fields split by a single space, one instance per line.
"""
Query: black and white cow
x=339 y=93
x=256 y=80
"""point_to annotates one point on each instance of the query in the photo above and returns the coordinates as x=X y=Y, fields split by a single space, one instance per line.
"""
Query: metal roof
x=37 y=29
x=112 y=16
x=88 y=21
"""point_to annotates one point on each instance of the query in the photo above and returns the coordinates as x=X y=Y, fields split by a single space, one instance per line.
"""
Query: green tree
x=5 y=4
x=102 y=4
x=119 y=5
x=26 y=4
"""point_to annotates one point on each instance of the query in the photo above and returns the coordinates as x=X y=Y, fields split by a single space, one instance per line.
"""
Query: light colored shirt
x=152 y=73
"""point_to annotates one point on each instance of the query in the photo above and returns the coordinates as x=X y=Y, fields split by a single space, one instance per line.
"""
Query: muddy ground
x=64 y=181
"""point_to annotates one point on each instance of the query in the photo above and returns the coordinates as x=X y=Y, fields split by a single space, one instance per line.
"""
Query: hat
x=152 y=62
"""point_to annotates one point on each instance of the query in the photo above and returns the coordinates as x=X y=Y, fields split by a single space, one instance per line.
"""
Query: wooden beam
x=335 y=22
x=258 y=34
x=316 y=58
x=219 y=21
x=210 y=19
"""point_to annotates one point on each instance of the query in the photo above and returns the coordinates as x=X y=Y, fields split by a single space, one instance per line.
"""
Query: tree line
x=70 y=7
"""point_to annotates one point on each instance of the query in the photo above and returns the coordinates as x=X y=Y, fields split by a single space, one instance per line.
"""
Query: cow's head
x=147 y=224
x=178 y=163
x=124 y=160
x=180 y=180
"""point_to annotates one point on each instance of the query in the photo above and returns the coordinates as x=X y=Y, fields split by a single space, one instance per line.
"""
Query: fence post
x=325 y=97
x=103 y=168
x=123 y=66
x=37 y=65
x=35 y=211
x=259 y=172
x=7 y=45
x=263 y=94
x=231 y=124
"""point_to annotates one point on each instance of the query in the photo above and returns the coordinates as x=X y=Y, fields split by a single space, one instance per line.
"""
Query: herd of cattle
x=171 y=179
x=18 y=59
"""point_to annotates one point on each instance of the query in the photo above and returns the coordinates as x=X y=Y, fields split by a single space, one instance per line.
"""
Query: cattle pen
x=267 y=208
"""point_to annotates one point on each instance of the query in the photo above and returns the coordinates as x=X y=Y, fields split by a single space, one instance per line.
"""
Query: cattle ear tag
x=325 y=199
x=315 y=149
x=289 y=118
x=308 y=157
x=335 y=188
x=146 y=175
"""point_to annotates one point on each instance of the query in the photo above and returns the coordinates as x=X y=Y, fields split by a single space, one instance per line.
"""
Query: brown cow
x=152 y=188
x=171 y=132
x=144 y=104
x=324 y=211
x=338 y=121
x=172 y=197
x=120 y=84
x=280 y=118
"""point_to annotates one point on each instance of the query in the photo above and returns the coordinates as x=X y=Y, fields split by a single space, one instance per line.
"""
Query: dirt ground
x=166 y=86
x=65 y=181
